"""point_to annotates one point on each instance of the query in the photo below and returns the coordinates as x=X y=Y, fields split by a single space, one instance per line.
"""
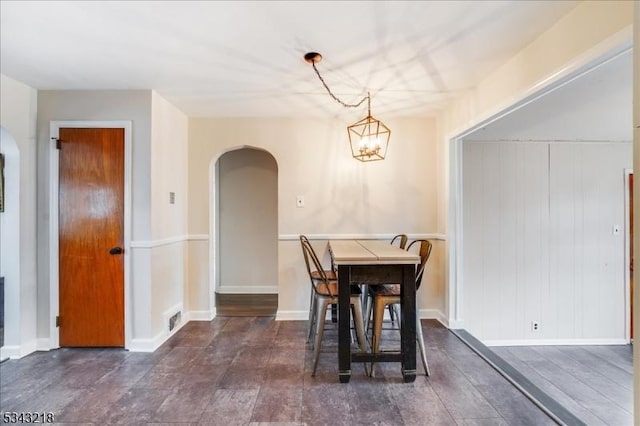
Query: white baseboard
x=200 y=315
x=12 y=352
x=150 y=345
x=292 y=315
x=19 y=351
x=147 y=345
x=455 y=323
x=240 y=289
x=435 y=314
x=555 y=342
x=44 y=345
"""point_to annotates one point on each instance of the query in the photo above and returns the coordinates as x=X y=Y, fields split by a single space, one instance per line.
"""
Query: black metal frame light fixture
x=369 y=137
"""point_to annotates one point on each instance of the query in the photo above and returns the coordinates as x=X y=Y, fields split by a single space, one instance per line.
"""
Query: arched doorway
x=10 y=245
x=247 y=233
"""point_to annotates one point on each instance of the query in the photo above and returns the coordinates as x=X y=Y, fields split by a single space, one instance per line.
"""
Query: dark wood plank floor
x=255 y=370
x=595 y=383
x=246 y=305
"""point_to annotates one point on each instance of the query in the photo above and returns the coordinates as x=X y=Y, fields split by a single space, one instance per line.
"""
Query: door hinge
x=58 y=321
x=58 y=143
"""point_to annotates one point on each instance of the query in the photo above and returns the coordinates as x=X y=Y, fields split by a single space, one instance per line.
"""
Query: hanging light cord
x=366 y=98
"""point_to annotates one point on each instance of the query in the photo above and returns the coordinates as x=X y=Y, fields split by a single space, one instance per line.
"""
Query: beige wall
x=101 y=105
x=314 y=160
x=157 y=270
x=108 y=105
x=342 y=196
x=248 y=222
x=408 y=192
x=571 y=40
x=589 y=31
x=168 y=251
x=169 y=132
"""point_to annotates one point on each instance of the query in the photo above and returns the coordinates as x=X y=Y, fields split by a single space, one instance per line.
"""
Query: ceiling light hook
x=315 y=57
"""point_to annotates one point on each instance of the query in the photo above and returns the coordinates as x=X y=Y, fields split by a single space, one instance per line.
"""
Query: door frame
x=454 y=292
x=54 y=253
x=627 y=257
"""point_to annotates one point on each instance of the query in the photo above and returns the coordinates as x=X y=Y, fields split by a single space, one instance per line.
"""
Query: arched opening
x=246 y=233
x=10 y=246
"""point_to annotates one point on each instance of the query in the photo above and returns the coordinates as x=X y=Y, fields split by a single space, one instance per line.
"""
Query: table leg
x=408 y=323
x=344 y=320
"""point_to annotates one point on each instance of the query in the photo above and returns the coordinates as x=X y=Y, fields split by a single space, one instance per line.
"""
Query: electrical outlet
x=535 y=326
x=300 y=201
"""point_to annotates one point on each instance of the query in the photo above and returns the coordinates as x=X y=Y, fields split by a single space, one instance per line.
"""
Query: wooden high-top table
x=375 y=262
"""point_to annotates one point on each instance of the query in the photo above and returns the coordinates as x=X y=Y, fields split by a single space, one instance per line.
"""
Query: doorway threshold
x=550 y=406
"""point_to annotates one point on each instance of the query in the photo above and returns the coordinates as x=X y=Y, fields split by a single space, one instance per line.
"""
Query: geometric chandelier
x=369 y=137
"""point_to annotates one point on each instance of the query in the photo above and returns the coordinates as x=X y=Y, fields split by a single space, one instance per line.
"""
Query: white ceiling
x=244 y=58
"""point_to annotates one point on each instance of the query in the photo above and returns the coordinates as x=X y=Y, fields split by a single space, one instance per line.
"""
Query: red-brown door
x=91 y=237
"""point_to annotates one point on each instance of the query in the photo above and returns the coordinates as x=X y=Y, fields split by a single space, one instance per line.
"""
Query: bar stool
x=389 y=294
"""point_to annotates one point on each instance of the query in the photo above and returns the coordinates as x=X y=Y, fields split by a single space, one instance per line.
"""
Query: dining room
x=185 y=213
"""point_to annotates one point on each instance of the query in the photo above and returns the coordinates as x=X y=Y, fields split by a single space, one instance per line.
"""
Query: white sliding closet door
x=505 y=225
x=586 y=280
x=538 y=243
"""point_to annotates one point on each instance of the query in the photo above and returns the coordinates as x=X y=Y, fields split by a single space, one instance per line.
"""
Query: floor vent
x=174 y=320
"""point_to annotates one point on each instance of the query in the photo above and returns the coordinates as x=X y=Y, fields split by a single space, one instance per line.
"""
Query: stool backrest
x=318 y=276
x=424 y=252
x=401 y=239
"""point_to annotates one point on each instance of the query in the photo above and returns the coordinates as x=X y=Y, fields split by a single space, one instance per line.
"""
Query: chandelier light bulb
x=369 y=146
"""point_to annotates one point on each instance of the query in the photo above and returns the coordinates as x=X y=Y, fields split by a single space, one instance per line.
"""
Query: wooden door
x=91 y=237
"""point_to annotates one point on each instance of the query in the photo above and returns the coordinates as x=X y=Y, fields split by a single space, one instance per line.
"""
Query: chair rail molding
x=289 y=237
x=167 y=241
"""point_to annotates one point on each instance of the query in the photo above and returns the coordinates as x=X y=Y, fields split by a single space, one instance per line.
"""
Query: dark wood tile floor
x=595 y=383
x=254 y=371
x=246 y=305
